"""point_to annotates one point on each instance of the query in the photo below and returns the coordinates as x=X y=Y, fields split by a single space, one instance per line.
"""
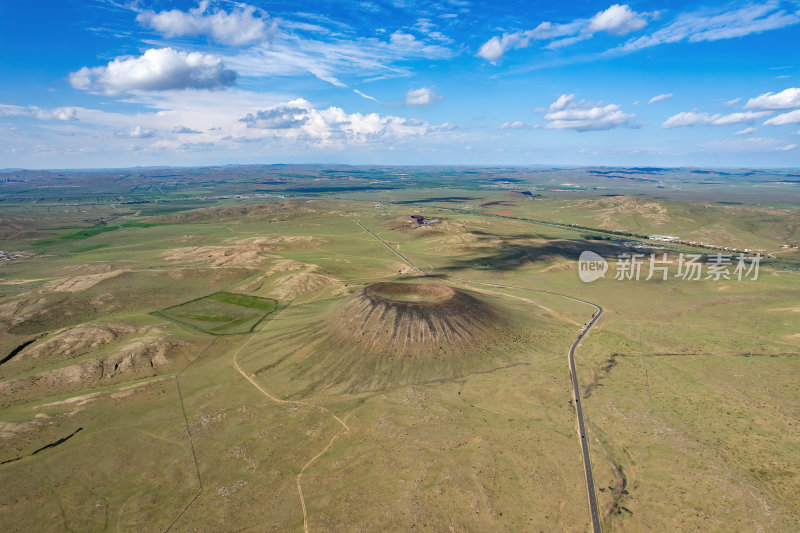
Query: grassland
x=199 y=347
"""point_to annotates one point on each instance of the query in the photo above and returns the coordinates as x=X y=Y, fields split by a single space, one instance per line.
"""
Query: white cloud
x=515 y=125
x=567 y=41
x=792 y=117
x=183 y=129
x=372 y=7
x=137 y=132
x=660 y=98
x=617 y=20
x=428 y=28
x=240 y=27
x=239 y=122
x=300 y=120
x=786 y=99
x=421 y=96
x=405 y=44
x=278 y=118
x=733 y=101
x=750 y=144
x=366 y=58
x=738 y=118
x=566 y=113
x=362 y=95
x=157 y=70
x=691 y=118
x=709 y=25
x=494 y=48
x=56 y=113
x=746 y=131
x=8 y=110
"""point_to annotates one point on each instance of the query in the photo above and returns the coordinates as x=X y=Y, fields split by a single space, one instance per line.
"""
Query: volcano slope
x=391 y=334
x=415 y=319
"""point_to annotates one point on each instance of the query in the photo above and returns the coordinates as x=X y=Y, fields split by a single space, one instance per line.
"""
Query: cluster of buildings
x=7 y=255
x=662 y=238
x=238 y=196
x=700 y=244
x=635 y=244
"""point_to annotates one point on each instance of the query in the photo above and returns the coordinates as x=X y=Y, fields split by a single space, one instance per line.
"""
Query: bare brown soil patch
x=144 y=357
x=79 y=283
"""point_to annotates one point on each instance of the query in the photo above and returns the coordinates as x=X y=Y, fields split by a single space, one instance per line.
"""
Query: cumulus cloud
x=494 y=48
x=786 y=99
x=158 y=69
x=567 y=113
x=299 y=119
x=660 y=98
x=183 y=129
x=792 y=117
x=56 y=113
x=746 y=131
x=277 y=118
x=242 y=26
x=170 y=123
x=136 y=133
x=691 y=118
x=421 y=96
x=707 y=25
x=616 y=20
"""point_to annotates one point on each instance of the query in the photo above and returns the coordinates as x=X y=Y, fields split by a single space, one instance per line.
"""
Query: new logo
x=591 y=266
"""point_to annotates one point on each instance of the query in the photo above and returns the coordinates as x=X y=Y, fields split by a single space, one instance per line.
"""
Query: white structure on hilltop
x=662 y=238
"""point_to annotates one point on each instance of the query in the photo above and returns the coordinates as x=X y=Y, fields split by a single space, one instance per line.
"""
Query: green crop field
x=221 y=313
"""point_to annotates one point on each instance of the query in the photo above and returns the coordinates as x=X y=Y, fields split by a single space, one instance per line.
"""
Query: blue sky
x=113 y=83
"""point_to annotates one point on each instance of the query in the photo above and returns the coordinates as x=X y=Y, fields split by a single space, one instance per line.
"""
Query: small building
x=662 y=238
x=422 y=221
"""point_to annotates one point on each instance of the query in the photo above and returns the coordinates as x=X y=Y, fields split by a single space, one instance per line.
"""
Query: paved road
x=576 y=393
x=587 y=465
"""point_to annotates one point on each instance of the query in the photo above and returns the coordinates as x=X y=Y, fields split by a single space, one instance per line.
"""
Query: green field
x=221 y=361
x=221 y=313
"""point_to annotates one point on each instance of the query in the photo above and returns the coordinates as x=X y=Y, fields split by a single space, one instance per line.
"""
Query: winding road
x=587 y=465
